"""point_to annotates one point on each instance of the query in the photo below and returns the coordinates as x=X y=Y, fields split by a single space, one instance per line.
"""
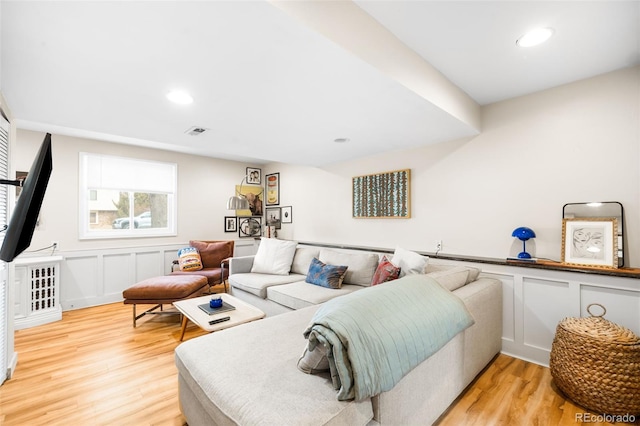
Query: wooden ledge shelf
x=536 y=264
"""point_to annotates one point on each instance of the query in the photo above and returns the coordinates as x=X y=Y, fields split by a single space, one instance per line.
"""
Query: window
x=125 y=197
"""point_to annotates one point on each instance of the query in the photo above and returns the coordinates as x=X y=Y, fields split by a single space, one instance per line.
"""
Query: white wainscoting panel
x=80 y=285
x=117 y=271
x=544 y=305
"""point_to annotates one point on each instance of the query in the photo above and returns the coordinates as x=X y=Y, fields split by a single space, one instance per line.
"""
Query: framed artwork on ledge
x=286 y=214
x=591 y=242
x=273 y=189
x=254 y=176
x=382 y=195
x=230 y=224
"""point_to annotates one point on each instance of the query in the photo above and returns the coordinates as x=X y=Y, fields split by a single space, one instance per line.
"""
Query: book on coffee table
x=212 y=311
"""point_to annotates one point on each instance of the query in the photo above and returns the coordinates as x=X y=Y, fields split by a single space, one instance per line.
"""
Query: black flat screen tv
x=25 y=215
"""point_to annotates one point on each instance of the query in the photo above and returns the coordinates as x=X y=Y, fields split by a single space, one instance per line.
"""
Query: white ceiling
x=274 y=86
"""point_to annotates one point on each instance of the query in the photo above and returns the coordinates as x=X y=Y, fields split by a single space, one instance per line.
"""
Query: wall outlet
x=438 y=245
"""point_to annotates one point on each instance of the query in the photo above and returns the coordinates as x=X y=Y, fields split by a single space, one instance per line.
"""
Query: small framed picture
x=273 y=189
x=249 y=227
x=286 y=214
x=254 y=176
x=590 y=242
x=273 y=217
x=230 y=224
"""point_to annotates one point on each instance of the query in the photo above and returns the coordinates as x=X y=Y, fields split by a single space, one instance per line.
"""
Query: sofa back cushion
x=361 y=266
x=453 y=277
x=302 y=259
x=213 y=252
x=274 y=257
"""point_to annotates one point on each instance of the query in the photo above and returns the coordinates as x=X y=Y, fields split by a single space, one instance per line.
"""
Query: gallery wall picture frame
x=230 y=224
x=254 y=176
x=272 y=191
x=273 y=217
x=382 y=195
x=249 y=227
x=255 y=195
x=591 y=242
x=286 y=214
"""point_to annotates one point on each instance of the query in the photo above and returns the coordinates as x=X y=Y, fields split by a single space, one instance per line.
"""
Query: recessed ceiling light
x=179 y=97
x=535 y=37
x=341 y=140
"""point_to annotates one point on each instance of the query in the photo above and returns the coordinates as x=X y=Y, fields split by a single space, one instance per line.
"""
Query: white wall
x=204 y=186
x=578 y=142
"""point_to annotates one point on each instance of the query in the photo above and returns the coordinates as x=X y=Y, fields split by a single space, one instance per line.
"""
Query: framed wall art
x=286 y=214
x=273 y=189
x=230 y=224
x=590 y=242
x=249 y=227
x=255 y=195
x=273 y=217
x=254 y=176
x=382 y=195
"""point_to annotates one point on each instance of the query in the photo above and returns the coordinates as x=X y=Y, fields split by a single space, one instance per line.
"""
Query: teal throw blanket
x=374 y=336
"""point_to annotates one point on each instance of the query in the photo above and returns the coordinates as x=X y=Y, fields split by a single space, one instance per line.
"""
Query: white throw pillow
x=274 y=256
x=409 y=262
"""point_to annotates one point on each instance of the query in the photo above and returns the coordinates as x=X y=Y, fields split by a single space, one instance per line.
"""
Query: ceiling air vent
x=195 y=131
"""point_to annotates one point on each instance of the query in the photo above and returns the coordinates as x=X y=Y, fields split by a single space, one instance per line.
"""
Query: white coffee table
x=242 y=313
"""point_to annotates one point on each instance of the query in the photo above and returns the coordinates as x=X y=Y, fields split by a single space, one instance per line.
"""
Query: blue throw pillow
x=330 y=276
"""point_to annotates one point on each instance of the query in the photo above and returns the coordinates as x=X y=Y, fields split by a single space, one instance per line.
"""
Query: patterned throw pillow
x=386 y=271
x=330 y=276
x=189 y=259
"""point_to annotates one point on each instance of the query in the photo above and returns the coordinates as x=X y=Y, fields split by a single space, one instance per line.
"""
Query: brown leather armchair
x=214 y=256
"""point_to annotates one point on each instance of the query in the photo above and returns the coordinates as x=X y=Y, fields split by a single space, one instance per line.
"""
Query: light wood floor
x=94 y=368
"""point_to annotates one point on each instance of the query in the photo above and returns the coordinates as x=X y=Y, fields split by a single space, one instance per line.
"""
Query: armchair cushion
x=213 y=253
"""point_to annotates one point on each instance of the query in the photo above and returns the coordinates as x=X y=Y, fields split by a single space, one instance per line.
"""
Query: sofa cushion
x=189 y=259
x=409 y=262
x=274 y=256
x=361 y=266
x=386 y=271
x=435 y=267
x=451 y=279
x=257 y=284
x=330 y=276
x=301 y=294
x=302 y=259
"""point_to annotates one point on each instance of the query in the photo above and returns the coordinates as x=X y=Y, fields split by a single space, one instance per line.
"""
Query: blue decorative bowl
x=215 y=303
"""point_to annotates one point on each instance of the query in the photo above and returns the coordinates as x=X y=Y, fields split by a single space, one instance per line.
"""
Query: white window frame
x=127 y=171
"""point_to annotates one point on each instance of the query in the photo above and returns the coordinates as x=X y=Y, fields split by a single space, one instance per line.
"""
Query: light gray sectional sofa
x=248 y=375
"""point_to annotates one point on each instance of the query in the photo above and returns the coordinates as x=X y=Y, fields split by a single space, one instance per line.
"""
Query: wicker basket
x=596 y=363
